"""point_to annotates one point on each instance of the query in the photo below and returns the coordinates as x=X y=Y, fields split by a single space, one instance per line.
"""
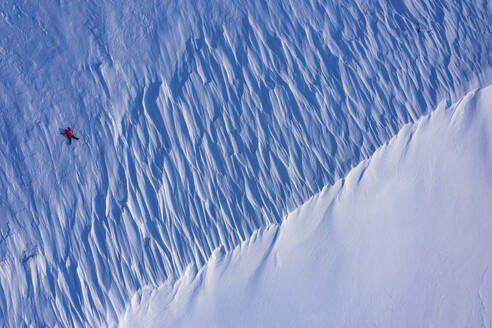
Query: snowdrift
x=199 y=122
x=403 y=241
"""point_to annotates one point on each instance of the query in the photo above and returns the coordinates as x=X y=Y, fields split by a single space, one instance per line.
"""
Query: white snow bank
x=403 y=241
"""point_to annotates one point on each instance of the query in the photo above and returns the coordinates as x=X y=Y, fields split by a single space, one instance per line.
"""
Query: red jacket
x=68 y=133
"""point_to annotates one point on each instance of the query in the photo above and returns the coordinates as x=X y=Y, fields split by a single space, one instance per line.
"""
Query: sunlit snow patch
x=403 y=241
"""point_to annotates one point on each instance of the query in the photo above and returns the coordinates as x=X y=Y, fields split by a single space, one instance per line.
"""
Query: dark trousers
x=70 y=139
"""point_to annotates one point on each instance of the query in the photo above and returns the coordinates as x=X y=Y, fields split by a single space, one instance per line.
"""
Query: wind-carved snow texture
x=200 y=122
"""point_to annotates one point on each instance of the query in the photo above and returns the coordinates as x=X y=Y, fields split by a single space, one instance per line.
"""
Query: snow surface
x=200 y=122
x=403 y=241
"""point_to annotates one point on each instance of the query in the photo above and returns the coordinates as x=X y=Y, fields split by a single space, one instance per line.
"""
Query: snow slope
x=403 y=241
x=200 y=122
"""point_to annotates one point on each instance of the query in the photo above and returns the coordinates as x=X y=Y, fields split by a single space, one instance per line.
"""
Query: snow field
x=200 y=122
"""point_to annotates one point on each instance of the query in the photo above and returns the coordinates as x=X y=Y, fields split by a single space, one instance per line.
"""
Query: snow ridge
x=200 y=122
x=403 y=240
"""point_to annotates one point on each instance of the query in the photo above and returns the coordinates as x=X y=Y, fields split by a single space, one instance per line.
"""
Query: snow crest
x=402 y=241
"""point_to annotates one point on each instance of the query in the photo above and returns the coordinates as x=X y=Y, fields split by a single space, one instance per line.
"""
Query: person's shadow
x=62 y=132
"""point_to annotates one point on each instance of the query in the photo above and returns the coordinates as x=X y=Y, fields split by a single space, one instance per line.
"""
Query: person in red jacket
x=68 y=132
